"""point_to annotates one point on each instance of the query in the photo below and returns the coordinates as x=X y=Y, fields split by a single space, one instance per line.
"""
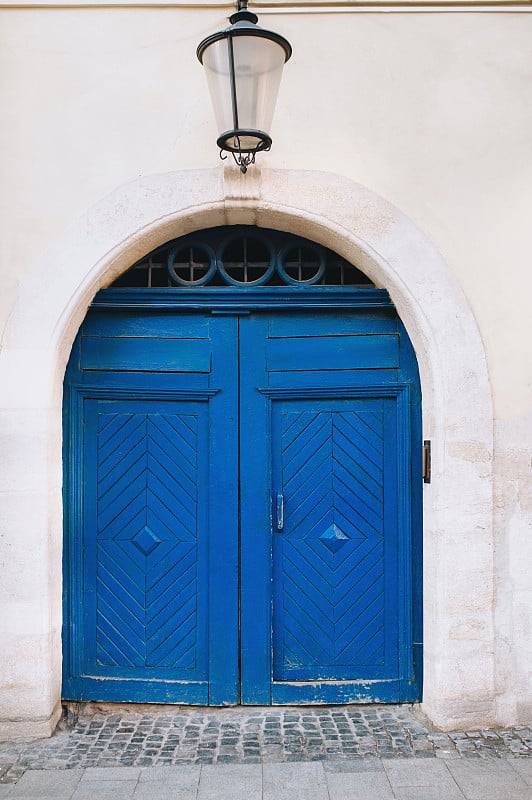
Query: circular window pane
x=246 y=260
x=192 y=264
x=301 y=263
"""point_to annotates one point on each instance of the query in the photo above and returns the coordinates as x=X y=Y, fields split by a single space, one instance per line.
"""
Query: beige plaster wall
x=432 y=111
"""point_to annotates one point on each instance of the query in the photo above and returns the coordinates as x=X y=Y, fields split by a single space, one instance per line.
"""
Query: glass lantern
x=243 y=65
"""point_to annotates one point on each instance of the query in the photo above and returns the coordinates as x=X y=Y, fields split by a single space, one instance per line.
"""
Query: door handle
x=280 y=511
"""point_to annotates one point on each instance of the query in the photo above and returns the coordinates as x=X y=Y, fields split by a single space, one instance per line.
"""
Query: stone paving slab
x=121 y=744
x=523 y=767
x=47 y=785
x=105 y=790
x=409 y=772
x=168 y=783
x=427 y=793
x=294 y=782
x=496 y=781
x=415 y=779
x=361 y=786
x=230 y=782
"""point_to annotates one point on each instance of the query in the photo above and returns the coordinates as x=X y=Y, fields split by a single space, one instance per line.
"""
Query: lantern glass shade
x=244 y=105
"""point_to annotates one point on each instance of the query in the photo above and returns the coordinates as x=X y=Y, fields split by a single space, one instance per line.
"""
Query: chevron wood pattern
x=146 y=547
x=329 y=603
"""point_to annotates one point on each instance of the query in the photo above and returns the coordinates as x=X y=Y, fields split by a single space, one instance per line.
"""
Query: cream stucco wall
x=432 y=111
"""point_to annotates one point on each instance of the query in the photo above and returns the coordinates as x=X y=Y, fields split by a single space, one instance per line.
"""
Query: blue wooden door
x=243 y=494
x=328 y=412
x=151 y=545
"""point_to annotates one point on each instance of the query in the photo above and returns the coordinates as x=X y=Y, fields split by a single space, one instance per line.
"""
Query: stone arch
x=457 y=412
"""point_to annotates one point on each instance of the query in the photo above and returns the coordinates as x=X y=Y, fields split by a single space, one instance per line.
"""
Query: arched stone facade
x=457 y=415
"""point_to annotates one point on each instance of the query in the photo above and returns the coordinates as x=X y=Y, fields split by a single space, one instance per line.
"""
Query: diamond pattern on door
x=146 y=544
x=329 y=614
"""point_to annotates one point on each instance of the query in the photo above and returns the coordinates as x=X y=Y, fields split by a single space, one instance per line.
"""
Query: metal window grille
x=241 y=256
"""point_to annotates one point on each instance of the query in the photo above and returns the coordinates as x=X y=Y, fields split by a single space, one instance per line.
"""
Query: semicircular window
x=241 y=256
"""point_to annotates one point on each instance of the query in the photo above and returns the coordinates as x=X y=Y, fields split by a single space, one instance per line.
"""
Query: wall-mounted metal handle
x=280 y=511
x=427 y=458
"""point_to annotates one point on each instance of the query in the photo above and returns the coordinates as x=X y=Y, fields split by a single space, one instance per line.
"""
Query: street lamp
x=244 y=64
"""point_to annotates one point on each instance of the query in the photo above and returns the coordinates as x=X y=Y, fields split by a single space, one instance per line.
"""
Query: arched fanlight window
x=241 y=256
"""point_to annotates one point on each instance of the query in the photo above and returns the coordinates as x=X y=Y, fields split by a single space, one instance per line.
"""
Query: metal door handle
x=280 y=511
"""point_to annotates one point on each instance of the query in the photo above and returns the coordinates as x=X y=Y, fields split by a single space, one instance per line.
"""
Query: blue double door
x=243 y=509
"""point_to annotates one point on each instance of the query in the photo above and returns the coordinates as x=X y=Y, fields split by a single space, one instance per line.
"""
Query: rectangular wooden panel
x=146 y=355
x=349 y=378
x=325 y=323
x=134 y=381
x=332 y=352
x=146 y=324
x=145 y=539
x=335 y=570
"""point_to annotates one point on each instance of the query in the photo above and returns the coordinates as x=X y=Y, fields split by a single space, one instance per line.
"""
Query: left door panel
x=147 y=518
x=145 y=554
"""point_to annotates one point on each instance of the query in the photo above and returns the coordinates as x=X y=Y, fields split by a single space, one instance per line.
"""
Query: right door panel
x=328 y=580
x=333 y=564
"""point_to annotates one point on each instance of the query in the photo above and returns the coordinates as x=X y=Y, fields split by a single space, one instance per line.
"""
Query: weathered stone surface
x=349 y=738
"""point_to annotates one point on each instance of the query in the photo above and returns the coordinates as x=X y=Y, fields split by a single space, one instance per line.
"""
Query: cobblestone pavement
x=138 y=738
